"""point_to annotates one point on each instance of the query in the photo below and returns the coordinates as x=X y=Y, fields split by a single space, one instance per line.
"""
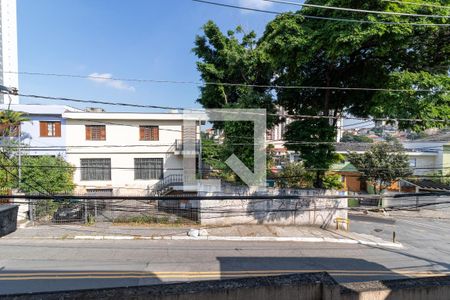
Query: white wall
x=122 y=171
x=426 y=163
x=122 y=145
x=9 y=46
x=307 y=211
x=43 y=145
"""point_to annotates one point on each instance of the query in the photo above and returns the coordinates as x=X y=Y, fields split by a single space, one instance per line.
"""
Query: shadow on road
x=23 y=281
x=342 y=269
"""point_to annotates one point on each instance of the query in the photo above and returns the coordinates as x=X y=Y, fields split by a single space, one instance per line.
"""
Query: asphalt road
x=425 y=233
x=49 y=265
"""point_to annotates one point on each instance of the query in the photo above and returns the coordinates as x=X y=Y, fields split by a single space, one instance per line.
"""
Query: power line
x=205 y=83
x=356 y=10
x=99 y=102
x=220 y=197
x=321 y=18
x=417 y=4
x=179 y=108
x=286 y=142
x=21 y=180
x=70 y=149
x=220 y=211
x=218 y=169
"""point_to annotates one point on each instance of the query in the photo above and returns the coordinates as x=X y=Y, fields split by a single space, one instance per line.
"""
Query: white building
x=124 y=153
x=8 y=49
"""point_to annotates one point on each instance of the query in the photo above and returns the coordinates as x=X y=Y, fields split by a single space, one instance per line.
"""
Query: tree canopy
x=9 y=123
x=46 y=174
x=40 y=174
x=323 y=53
x=404 y=68
x=234 y=58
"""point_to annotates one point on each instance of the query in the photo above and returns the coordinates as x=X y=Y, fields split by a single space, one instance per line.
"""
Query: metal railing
x=179 y=145
x=167 y=182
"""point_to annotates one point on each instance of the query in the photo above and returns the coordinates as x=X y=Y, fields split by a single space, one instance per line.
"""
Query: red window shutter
x=103 y=133
x=155 y=133
x=43 y=128
x=88 y=133
x=141 y=133
x=57 y=129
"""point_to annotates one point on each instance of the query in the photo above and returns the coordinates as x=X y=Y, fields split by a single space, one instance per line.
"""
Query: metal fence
x=59 y=211
x=181 y=207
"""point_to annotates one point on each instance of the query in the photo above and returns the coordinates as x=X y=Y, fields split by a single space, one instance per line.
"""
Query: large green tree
x=234 y=60
x=299 y=51
x=324 y=53
x=46 y=174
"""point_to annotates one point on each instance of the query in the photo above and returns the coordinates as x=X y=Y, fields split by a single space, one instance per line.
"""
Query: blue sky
x=126 y=39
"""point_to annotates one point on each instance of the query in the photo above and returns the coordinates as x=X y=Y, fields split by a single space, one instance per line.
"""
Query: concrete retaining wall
x=8 y=218
x=262 y=288
x=434 y=288
x=307 y=211
x=24 y=207
x=314 y=286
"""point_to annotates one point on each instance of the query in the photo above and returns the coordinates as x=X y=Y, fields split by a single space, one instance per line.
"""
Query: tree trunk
x=318 y=183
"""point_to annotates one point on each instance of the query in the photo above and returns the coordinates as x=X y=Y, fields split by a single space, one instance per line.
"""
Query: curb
x=242 y=239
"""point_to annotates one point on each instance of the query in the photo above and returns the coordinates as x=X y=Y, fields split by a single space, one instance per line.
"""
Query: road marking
x=203 y=275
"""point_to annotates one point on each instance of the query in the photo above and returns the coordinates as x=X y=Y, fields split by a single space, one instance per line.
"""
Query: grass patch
x=353 y=202
x=152 y=220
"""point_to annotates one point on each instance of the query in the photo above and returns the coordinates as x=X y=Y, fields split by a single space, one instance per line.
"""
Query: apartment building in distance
x=8 y=49
x=124 y=153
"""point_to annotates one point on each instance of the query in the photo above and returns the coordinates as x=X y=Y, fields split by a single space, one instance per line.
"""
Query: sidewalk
x=268 y=233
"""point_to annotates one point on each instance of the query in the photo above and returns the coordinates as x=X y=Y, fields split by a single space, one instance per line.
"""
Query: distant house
x=45 y=132
x=125 y=153
x=350 y=177
x=425 y=159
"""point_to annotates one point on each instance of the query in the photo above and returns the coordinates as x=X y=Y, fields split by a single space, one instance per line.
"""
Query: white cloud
x=258 y=4
x=107 y=79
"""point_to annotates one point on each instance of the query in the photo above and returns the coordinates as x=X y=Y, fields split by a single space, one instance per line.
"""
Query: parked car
x=68 y=213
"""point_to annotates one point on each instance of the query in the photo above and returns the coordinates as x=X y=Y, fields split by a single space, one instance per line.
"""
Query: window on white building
x=149 y=133
x=95 y=132
x=50 y=128
x=413 y=162
x=96 y=169
x=148 y=168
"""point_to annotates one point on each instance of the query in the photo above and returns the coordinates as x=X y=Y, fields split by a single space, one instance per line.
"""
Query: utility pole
x=13 y=91
x=200 y=164
x=20 y=156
